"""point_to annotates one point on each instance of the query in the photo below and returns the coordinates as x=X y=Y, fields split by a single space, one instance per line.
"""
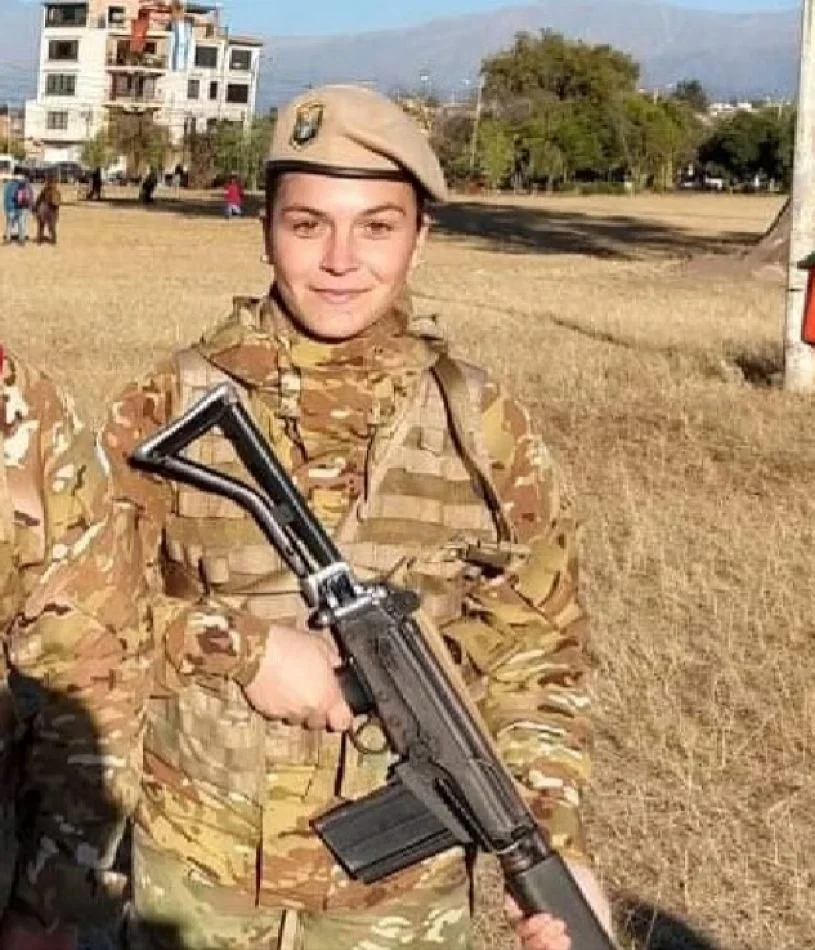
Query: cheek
x=294 y=259
x=389 y=260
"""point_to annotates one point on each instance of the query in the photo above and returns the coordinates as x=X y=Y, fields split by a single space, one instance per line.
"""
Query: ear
x=265 y=217
x=421 y=240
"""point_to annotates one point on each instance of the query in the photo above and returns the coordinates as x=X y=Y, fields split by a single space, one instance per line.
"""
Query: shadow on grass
x=545 y=230
x=187 y=206
x=655 y=929
x=509 y=228
x=763 y=371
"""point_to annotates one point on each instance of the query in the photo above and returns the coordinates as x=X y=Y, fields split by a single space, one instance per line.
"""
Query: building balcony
x=125 y=30
x=134 y=101
x=134 y=63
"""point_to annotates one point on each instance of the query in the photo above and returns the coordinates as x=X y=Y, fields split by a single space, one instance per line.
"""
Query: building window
x=237 y=93
x=206 y=57
x=193 y=88
x=65 y=51
x=67 y=14
x=240 y=60
x=60 y=84
x=117 y=16
x=57 y=121
x=120 y=86
x=213 y=90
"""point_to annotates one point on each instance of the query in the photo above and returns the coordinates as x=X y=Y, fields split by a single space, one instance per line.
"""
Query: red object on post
x=808 y=328
x=138 y=35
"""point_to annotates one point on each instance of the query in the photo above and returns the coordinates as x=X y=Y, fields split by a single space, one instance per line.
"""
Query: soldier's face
x=342 y=249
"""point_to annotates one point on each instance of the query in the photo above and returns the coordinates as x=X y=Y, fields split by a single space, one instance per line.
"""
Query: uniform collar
x=261 y=342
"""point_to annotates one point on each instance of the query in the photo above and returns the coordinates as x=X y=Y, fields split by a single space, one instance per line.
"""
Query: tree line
x=564 y=114
x=225 y=149
x=555 y=114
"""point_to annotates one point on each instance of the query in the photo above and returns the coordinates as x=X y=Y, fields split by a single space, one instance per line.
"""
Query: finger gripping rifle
x=449 y=787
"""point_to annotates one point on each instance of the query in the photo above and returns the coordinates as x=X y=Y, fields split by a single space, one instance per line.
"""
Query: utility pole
x=799 y=357
x=479 y=108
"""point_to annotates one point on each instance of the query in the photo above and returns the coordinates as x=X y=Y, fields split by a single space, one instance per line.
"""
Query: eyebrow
x=379 y=209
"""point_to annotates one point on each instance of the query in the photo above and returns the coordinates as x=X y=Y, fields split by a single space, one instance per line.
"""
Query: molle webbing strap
x=463 y=424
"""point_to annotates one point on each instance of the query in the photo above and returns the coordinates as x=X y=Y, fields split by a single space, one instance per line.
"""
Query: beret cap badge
x=307 y=123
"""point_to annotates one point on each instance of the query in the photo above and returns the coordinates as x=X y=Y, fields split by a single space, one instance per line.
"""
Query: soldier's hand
x=21 y=933
x=545 y=932
x=541 y=932
x=297 y=682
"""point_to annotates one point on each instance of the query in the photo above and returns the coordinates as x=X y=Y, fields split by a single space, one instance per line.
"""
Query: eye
x=305 y=227
x=378 y=229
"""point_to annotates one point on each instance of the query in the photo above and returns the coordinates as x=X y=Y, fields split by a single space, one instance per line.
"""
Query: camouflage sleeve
x=91 y=645
x=55 y=480
x=205 y=641
x=52 y=487
x=525 y=633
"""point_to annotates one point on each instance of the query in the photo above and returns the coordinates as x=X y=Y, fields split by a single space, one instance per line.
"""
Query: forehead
x=331 y=195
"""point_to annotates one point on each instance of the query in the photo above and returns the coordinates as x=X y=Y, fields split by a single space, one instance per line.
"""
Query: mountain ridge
x=721 y=49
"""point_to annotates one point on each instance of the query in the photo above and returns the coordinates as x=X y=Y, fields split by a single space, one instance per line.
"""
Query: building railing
x=134 y=98
x=138 y=61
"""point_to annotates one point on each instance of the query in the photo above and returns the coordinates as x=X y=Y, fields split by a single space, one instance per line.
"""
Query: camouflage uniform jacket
x=519 y=636
x=52 y=485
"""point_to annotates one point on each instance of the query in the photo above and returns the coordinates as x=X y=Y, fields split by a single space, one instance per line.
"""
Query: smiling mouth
x=339 y=296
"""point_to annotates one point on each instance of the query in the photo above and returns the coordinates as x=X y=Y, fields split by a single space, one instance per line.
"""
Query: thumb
x=512 y=910
x=332 y=654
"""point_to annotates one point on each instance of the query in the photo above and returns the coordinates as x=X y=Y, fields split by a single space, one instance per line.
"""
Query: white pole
x=479 y=107
x=799 y=357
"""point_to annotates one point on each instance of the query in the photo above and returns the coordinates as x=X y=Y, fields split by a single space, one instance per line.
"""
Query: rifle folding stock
x=449 y=787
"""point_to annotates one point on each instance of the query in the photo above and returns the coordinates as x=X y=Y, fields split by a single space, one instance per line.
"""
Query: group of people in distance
x=20 y=201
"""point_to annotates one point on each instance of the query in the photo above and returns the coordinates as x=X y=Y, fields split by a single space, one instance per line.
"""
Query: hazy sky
x=338 y=16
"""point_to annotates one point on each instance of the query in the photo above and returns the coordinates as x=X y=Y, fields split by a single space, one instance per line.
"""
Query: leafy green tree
x=242 y=150
x=656 y=138
x=496 y=152
x=560 y=100
x=451 y=139
x=142 y=142
x=749 y=144
x=693 y=94
x=97 y=152
x=550 y=65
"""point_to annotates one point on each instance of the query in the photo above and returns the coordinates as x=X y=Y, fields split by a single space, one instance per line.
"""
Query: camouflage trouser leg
x=172 y=913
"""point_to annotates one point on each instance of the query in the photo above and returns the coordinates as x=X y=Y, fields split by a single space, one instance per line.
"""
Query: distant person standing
x=46 y=211
x=10 y=212
x=148 y=187
x=233 y=198
x=95 y=192
x=24 y=200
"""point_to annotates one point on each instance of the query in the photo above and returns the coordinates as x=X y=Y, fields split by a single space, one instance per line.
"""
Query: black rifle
x=449 y=786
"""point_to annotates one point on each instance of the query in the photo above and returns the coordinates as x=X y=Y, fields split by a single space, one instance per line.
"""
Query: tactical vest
x=252 y=784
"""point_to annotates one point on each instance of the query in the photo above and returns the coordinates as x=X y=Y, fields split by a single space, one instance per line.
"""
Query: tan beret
x=351 y=131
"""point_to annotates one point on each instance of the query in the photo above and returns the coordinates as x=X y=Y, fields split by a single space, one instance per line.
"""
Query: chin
x=336 y=325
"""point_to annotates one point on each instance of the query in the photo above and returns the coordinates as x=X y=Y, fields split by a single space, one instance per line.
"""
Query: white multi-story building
x=174 y=61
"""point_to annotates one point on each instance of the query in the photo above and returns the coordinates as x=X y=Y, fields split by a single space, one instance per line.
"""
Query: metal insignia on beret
x=307 y=124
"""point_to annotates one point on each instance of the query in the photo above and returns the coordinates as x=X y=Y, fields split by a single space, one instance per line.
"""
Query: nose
x=340 y=255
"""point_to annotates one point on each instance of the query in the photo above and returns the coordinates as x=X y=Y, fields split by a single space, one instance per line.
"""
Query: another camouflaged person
x=51 y=488
x=423 y=469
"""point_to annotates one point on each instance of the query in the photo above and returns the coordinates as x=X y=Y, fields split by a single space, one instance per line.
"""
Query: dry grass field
x=693 y=476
